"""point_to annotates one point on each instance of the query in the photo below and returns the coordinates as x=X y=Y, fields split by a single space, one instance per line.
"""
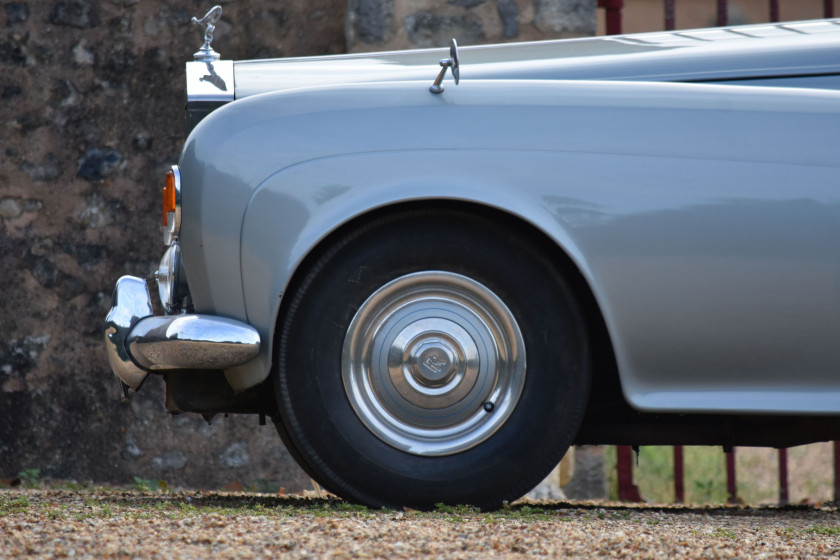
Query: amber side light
x=169 y=195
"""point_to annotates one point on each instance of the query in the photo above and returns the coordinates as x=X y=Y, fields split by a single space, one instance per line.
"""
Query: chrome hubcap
x=433 y=363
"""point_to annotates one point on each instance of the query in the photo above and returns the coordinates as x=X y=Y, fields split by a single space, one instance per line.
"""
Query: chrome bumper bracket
x=131 y=303
x=138 y=342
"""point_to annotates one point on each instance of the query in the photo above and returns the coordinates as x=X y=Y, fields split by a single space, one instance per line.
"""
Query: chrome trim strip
x=210 y=81
x=192 y=342
x=131 y=303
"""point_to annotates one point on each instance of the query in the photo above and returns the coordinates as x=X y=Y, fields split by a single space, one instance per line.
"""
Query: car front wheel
x=431 y=356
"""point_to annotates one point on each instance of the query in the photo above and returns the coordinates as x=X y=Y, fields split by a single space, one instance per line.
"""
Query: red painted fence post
x=783 y=476
x=679 y=474
x=613 y=15
x=627 y=490
x=670 y=17
x=837 y=472
x=774 y=10
x=731 y=482
x=722 y=13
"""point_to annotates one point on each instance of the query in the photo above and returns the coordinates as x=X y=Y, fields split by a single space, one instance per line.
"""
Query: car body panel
x=703 y=218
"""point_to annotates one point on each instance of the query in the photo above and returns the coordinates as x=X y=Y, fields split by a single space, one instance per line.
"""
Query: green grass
x=10 y=505
x=822 y=530
x=523 y=512
x=145 y=485
x=31 y=478
x=725 y=533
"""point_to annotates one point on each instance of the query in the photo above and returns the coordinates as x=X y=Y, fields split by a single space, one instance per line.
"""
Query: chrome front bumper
x=139 y=342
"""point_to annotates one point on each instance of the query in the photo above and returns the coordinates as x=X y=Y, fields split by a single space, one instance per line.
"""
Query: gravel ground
x=122 y=524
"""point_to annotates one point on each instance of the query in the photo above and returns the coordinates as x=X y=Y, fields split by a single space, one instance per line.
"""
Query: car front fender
x=296 y=210
x=585 y=162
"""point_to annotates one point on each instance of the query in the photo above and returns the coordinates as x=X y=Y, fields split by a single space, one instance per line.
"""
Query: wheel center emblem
x=435 y=364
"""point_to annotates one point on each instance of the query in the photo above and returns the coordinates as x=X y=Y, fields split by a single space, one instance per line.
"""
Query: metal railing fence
x=629 y=492
x=613 y=11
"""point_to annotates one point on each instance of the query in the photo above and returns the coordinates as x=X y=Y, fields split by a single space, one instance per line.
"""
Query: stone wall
x=92 y=115
x=398 y=24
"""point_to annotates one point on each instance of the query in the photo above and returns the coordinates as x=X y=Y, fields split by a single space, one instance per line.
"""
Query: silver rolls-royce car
x=436 y=270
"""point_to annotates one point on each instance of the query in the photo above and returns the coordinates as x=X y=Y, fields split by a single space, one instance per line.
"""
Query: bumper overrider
x=139 y=342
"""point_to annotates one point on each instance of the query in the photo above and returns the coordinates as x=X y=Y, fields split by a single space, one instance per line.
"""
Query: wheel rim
x=433 y=363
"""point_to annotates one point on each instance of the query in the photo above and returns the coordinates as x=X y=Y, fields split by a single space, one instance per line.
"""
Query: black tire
x=338 y=449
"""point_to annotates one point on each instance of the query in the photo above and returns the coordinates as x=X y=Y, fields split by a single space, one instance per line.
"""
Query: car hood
x=694 y=55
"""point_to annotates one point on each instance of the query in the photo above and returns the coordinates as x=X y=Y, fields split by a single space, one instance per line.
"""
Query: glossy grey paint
x=704 y=218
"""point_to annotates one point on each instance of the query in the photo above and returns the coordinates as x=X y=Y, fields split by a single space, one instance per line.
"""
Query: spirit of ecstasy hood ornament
x=206 y=52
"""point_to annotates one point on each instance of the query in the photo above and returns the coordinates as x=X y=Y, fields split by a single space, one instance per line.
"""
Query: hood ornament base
x=206 y=52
